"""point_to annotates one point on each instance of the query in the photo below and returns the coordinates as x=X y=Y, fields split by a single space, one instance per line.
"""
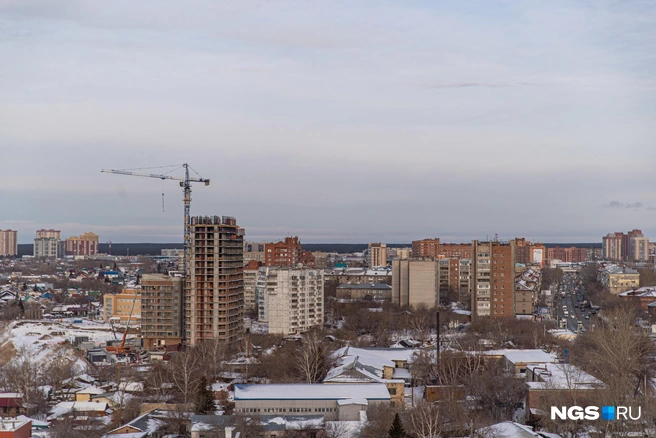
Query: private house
x=388 y=366
x=560 y=384
x=228 y=426
x=517 y=361
x=11 y=404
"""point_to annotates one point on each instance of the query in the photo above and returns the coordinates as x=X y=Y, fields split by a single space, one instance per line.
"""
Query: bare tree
x=185 y=375
x=313 y=358
x=425 y=421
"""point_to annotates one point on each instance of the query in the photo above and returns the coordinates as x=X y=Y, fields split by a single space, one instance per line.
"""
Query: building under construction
x=214 y=301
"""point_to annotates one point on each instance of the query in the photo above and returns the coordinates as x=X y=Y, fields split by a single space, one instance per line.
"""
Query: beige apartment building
x=214 y=302
x=85 y=244
x=415 y=282
x=639 y=249
x=377 y=255
x=161 y=311
x=8 y=243
x=290 y=300
x=124 y=306
x=618 y=279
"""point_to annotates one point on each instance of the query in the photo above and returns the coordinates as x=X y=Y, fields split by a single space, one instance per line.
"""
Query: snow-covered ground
x=43 y=337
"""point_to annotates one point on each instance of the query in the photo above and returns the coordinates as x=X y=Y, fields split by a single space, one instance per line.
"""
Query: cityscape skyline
x=391 y=124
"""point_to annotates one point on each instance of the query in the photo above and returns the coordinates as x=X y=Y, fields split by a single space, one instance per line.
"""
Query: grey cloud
x=439 y=85
x=625 y=205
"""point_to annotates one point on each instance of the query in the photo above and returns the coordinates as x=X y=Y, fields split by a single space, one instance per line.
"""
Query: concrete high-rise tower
x=214 y=302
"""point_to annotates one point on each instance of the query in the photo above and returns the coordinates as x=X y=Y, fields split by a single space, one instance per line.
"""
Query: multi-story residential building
x=85 y=244
x=618 y=279
x=214 y=299
x=124 y=306
x=377 y=255
x=359 y=275
x=250 y=283
x=567 y=255
x=48 y=234
x=378 y=292
x=161 y=311
x=320 y=259
x=493 y=279
x=433 y=248
x=639 y=249
x=48 y=244
x=403 y=253
x=292 y=300
x=527 y=252
x=612 y=246
x=415 y=283
x=254 y=251
x=631 y=246
x=287 y=253
x=449 y=274
x=426 y=248
x=461 y=250
x=8 y=243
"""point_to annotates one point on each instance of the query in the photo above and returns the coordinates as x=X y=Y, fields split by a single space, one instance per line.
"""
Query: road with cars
x=572 y=307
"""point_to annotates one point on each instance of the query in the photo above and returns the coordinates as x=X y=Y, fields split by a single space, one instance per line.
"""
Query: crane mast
x=185 y=183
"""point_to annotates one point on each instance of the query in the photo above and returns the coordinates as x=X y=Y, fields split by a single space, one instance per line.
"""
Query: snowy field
x=43 y=336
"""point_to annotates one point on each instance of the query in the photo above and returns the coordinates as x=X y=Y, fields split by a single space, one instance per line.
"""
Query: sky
x=337 y=121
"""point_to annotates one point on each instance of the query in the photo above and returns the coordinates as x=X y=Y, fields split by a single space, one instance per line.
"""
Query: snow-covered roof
x=93 y=390
x=353 y=401
x=369 y=391
x=524 y=356
x=562 y=376
x=508 y=429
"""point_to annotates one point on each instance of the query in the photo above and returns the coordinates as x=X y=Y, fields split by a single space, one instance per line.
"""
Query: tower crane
x=185 y=183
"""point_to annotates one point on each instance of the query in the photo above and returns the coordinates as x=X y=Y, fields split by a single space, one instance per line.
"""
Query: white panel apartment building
x=290 y=300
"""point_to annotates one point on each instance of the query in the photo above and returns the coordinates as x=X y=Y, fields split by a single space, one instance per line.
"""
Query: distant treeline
x=156 y=248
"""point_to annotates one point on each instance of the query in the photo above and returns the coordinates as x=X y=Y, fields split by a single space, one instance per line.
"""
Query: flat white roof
x=318 y=391
x=524 y=356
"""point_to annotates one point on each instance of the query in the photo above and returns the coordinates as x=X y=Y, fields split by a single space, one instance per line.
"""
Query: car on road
x=587 y=316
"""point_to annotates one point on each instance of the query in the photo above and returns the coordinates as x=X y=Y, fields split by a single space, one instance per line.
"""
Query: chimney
x=228 y=431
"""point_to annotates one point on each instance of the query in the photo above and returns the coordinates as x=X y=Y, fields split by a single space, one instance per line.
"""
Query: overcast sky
x=338 y=121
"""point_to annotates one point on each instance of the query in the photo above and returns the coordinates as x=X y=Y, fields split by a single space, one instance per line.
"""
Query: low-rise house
x=146 y=425
x=642 y=296
x=11 y=404
x=374 y=365
x=509 y=429
x=559 y=384
x=79 y=409
x=335 y=402
x=85 y=394
x=15 y=428
x=517 y=361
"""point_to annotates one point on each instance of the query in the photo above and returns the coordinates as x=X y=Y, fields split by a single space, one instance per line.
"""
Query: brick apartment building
x=493 y=279
x=287 y=254
x=568 y=255
x=433 y=248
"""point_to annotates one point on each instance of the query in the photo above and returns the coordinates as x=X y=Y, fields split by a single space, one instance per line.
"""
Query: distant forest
x=121 y=249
